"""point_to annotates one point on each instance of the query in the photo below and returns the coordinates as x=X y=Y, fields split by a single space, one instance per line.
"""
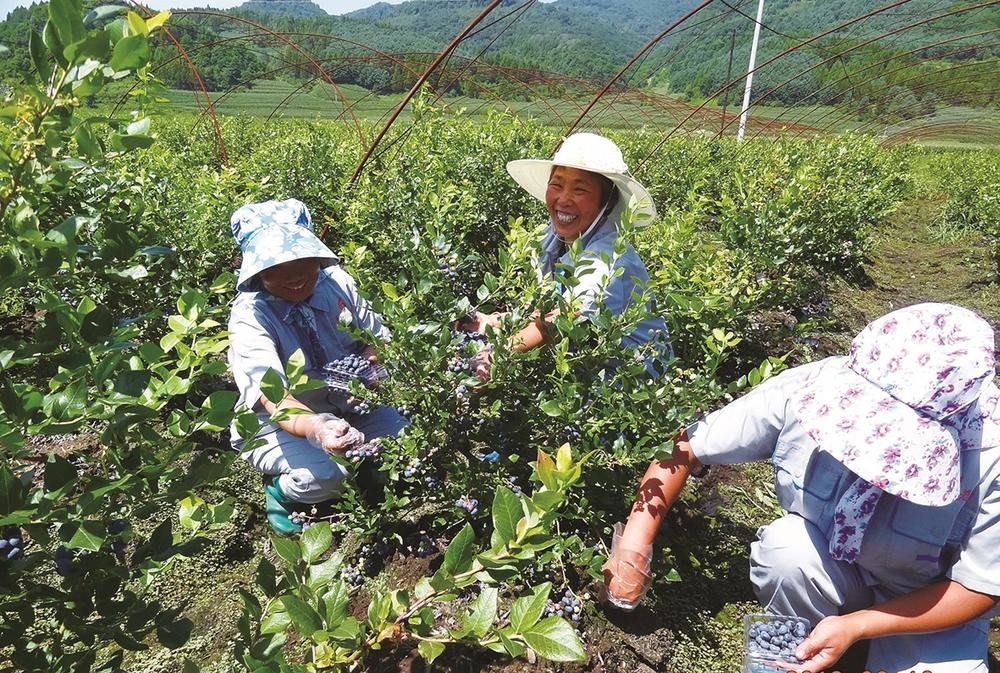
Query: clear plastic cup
x=771 y=640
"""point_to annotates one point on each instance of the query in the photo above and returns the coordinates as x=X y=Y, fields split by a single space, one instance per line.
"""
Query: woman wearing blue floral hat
x=293 y=296
x=887 y=462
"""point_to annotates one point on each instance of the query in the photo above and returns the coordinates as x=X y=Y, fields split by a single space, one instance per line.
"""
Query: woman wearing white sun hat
x=586 y=187
x=888 y=464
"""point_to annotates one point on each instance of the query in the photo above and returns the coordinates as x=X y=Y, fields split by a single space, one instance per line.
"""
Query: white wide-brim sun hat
x=272 y=233
x=587 y=152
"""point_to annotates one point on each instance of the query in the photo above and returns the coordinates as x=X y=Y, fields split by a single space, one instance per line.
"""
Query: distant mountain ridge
x=567 y=40
x=292 y=8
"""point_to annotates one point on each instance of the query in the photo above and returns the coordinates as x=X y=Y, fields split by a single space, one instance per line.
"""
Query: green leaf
x=272 y=386
x=275 y=621
x=65 y=17
x=89 y=535
x=287 y=550
x=52 y=42
x=131 y=53
x=506 y=513
x=554 y=639
x=98 y=14
x=266 y=577
x=551 y=407
x=11 y=491
x=459 y=554
x=97 y=325
x=513 y=647
x=306 y=621
x=430 y=650
x=220 y=408
x=171 y=630
x=95 y=47
x=483 y=612
x=337 y=600
x=58 y=472
x=527 y=610
x=316 y=540
x=321 y=573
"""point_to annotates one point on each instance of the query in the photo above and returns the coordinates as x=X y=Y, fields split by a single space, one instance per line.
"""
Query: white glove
x=333 y=434
x=626 y=572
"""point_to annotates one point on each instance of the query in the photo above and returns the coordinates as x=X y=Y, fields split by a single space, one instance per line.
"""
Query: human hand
x=369 y=353
x=333 y=434
x=826 y=644
x=481 y=364
x=481 y=321
x=626 y=572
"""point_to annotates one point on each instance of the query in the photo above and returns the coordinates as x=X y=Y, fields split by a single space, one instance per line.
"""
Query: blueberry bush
x=116 y=265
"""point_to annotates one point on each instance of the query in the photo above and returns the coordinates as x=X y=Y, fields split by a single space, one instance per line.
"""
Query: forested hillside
x=921 y=65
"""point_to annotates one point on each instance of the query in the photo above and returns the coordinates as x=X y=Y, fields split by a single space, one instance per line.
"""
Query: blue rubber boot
x=279 y=508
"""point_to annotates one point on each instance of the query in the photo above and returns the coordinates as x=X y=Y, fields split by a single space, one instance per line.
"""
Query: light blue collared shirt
x=263 y=334
x=604 y=276
x=906 y=546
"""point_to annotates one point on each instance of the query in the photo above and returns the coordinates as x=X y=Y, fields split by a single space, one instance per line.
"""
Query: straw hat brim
x=533 y=176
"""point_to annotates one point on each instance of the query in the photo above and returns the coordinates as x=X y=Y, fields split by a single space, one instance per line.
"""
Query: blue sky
x=331 y=6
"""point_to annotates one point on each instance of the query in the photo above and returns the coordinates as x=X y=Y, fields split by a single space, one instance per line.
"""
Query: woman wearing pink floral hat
x=888 y=464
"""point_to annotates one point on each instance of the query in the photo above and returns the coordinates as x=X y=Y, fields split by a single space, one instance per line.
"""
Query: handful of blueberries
x=774 y=637
x=11 y=545
x=340 y=373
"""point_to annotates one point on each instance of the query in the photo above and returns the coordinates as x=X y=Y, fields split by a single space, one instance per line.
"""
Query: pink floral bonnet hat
x=889 y=414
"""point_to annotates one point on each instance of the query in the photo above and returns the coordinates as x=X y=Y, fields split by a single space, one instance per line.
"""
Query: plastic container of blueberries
x=759 y=661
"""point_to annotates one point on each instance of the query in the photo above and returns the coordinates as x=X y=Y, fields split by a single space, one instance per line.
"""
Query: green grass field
x=954 y=127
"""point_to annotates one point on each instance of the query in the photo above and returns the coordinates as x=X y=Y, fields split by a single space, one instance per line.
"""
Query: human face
x=573 y=198
x=292 y=281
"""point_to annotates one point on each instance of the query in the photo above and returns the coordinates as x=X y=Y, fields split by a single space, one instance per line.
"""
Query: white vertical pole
x=753 y=60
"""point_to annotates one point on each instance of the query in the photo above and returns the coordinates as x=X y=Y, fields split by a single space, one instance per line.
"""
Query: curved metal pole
x=416 y=87
x=649 y=45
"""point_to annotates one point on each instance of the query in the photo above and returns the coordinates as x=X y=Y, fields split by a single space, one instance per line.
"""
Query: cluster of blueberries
x=11 y=545
x=404 y=411
x=353 y=575
x=470 y=505
x=571 y=433
x=512 y=485
x=358 y=453
x=458 y=365
x=301 y=519
x=361 y=407
x=461 y=339
x=351 y=367
x=462 y=391
x=776 y=638
x=423 y=546
x=569 y=606
x=64 y=561
x=415 y=469
x=462 y=288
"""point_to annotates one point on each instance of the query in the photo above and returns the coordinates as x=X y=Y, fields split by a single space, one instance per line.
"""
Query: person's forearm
x=296 y=424
x=934 y=608
x=660 y=486
x=532 y=335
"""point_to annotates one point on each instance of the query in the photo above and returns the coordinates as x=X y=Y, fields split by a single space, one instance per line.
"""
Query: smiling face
x=292 y=281
x=573 y=197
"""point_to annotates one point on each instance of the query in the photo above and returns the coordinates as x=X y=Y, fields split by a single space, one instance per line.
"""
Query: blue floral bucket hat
x=272 y=233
